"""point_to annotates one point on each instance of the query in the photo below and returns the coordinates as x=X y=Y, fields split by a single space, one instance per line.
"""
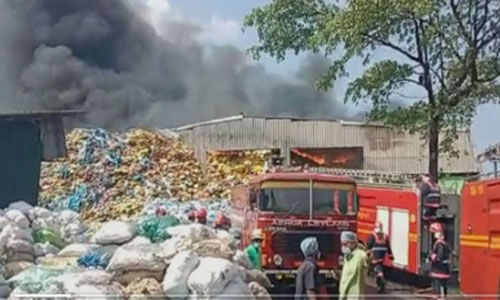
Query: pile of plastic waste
x=226 y=169
x=120 y=259
x=108 y=175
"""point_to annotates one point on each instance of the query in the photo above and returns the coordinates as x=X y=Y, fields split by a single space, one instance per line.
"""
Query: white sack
x=3 y=222
x=11 y=231
x=21 y=206
x=114 y=232
x=140 y=240
x=241 y=258
x=259 y=291
x=45 y=249
x=16 y=245
x=68 y=217
x=37 y=213
x=235 y=289
x=98 y=292
x=73 y=280
x=18 y=218
x=77 y=249
x=136 y=257
x=212 y=275
x=175 y=281
x=5 y=291
x=193 y=232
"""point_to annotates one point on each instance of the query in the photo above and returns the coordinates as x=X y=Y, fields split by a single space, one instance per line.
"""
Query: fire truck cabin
x=290 y=206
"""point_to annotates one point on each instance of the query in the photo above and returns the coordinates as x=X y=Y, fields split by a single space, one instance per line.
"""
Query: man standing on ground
x=254 y=251
x=307 y=282
x=355 y=266
x=379 y=246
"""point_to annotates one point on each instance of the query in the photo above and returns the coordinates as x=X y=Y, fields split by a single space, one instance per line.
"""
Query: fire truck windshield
x=295 y=200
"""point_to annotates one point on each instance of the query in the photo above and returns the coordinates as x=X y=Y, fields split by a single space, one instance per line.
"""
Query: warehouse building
x=328 y=143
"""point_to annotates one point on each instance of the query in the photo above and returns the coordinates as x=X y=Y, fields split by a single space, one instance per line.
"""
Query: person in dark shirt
x=308 y=283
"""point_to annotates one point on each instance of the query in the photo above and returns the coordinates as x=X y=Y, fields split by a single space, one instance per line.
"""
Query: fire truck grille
x=289 y=242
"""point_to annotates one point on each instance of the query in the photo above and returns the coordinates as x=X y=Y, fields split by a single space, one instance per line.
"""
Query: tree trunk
x=434 y=149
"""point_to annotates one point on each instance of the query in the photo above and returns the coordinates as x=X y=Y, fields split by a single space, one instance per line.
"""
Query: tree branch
x=394 y=47
x=485 y=16
x=454 y=9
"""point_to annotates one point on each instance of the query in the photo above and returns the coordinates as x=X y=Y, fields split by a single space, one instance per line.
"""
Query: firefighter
x=430 y=194
x=354 y=267
x=201 y=216
x=222 y=222
x=440 y=261
x=379 y=247
x=254 y=251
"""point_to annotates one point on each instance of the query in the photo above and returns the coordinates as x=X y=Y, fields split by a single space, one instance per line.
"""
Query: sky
x=222 y=20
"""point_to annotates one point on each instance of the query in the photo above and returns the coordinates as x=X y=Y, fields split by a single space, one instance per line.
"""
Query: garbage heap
x=226 y=169
x=108 y=175
x=151 y=256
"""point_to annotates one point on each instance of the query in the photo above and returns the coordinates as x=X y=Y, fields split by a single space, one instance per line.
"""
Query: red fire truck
x=290 y=206
x=480 y=239
x=394 y=201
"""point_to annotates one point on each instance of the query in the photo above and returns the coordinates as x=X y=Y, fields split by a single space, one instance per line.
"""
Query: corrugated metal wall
x=384 y=149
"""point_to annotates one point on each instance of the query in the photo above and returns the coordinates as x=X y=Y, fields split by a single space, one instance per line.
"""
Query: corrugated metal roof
x=384 y=148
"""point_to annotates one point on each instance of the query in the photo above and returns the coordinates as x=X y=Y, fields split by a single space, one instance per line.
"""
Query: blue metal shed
x=27 y=138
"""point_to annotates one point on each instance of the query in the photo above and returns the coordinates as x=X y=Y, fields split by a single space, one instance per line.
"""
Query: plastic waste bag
x=154 y=227
x=211 y=276
x=20 y=206
x=48 y=236
x=136 y=257
x=114 y=232
x=259 y=291
x=36 y=279
x=73 y=279
x=18 y=218
x=94 y=258
x=15 y=232
x=241 y=258
x=77 y=249
x=175 y=281
x=14 y=268
x=45 y=249
x=235 y=289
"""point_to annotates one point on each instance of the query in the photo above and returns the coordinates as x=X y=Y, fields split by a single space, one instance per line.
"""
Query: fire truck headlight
x=278 y=260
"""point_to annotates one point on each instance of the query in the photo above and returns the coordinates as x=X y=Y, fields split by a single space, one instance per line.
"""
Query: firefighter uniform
x=430 y=194
x=379 y=246
x=440 y=266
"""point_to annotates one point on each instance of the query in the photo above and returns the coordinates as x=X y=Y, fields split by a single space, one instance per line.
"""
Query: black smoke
x=101 y=57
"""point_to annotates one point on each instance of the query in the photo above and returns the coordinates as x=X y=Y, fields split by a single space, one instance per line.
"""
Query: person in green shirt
x=354 y=269
x=254 y=251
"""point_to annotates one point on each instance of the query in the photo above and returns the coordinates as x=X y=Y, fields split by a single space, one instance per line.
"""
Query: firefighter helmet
x=221 y=220
x=201 y=214
x=436 y=227
x=379 y=227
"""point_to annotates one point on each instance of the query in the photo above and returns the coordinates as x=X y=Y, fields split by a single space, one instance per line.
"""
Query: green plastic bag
x=48 y=236
x=154 y=227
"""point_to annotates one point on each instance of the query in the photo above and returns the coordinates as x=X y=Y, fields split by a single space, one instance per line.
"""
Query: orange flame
x=314 y=158
x=343 y=159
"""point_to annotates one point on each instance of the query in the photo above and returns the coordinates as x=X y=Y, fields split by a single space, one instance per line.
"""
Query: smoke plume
x=100 y=56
